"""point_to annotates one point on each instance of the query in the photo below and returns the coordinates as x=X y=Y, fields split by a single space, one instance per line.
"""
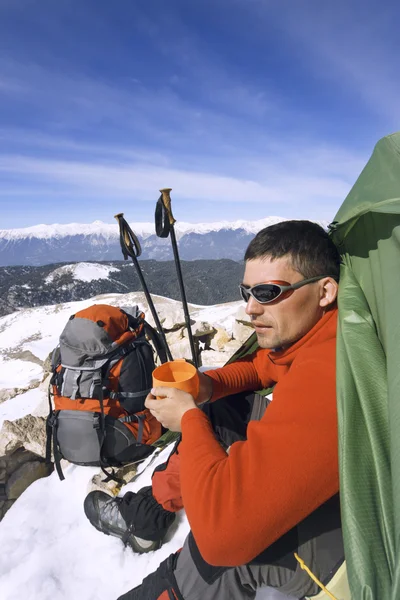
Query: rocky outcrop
x=28 y=432
x=18 y=469
x=7 y=394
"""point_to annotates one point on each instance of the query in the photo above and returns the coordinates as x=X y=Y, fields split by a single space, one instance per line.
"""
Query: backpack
x=101 y=375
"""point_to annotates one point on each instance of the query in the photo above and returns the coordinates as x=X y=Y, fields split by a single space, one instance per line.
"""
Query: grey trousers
x=242 y=583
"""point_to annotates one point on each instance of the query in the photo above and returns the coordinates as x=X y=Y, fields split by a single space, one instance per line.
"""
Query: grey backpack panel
x=78 y=435
x=85 y=347
x=84 y=341
x=79 y=383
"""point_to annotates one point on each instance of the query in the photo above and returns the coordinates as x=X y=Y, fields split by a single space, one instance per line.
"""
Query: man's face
x=286 y=320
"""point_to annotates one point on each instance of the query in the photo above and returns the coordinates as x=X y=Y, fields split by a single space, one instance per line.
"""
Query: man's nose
x=253 y=307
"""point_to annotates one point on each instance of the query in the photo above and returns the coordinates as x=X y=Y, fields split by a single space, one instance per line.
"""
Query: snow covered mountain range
x=98 y=241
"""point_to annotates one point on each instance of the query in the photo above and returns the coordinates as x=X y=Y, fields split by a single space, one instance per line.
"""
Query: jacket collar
x=324 y=329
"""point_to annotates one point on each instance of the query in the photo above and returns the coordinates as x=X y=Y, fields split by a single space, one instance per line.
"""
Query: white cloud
x=292 y=179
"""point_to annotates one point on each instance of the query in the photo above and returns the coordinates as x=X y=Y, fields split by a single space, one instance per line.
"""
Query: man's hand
x=169 y=406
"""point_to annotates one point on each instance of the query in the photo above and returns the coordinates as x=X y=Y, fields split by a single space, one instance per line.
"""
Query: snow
x=220 y=315
x=143 y=230
x=49 y=547
x=20 y=406
x=60 y=230
x=82 y=271
x=18 y=373
x=36 y=330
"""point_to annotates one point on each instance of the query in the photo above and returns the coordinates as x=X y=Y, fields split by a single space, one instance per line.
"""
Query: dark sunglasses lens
x=244 y=293
x=266 y=293
x=263 y=293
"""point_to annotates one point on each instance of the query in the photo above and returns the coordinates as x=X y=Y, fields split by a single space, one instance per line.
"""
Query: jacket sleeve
x=243 y=375
x=239 y=504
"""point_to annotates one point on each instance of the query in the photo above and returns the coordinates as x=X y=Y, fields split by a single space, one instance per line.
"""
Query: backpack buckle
x=52 y=419
x=128 y=419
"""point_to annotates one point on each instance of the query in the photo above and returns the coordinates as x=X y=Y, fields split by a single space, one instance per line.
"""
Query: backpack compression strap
x=51 y=437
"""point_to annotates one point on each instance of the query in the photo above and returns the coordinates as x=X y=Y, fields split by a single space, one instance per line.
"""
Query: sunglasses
x=264 y=293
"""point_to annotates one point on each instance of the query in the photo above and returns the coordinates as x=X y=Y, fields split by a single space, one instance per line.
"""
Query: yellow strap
x=313 y=577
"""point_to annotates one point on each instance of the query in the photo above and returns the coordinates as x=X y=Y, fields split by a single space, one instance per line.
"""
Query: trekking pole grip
x=120 y=218
x=166 y=200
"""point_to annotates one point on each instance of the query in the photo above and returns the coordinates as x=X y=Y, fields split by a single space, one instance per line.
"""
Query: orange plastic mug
x=177 y=374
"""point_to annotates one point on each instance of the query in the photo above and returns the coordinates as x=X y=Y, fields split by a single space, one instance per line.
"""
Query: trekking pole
x=164 y=227
x=130 y=246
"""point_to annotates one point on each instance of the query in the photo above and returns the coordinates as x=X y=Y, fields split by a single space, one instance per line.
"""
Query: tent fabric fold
x=366 y=230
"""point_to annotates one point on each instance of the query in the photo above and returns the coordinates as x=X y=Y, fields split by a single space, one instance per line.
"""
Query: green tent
x=367 y=232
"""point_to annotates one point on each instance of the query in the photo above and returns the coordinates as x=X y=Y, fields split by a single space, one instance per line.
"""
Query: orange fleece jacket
x=239 y=503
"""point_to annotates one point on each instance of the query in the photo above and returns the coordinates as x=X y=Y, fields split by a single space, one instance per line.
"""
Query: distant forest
x=207 y=282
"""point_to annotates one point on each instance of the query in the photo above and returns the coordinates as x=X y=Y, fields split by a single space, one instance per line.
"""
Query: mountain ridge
x=144 y=229
x=76 y=242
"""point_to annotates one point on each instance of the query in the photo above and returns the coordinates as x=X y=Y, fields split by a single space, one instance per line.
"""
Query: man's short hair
x=307 y=245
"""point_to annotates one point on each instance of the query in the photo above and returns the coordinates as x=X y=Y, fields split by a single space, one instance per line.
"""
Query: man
x=276 y=491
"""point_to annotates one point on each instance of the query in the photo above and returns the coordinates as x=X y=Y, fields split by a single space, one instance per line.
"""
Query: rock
x=200 y=329
x=42 y=408
x=241 y=314
x=8 y=443
x=212 y=358
x=24 y=476
x=231 y=347
x=3 y=474
x=175 y=337
x=127 y=473
x=242 y=328
x=242 y=331
x=8 y=393
x=47 y=363
x=181 y=349
x=29 y=432
x=3 y=495
x=171 y=316
x=14 y=460
x=220 y=339
x=4 y=507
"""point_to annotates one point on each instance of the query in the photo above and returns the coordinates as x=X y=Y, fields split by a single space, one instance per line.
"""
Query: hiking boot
x=103 y=512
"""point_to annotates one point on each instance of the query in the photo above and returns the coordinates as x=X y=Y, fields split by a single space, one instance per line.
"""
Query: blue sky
x=246 y=108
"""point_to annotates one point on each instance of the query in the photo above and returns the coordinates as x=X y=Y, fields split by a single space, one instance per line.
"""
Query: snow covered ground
x=82 y=271
x=49 y=550
x=21 y=405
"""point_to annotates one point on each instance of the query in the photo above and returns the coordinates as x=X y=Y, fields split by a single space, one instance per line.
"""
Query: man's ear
x=329 y=291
